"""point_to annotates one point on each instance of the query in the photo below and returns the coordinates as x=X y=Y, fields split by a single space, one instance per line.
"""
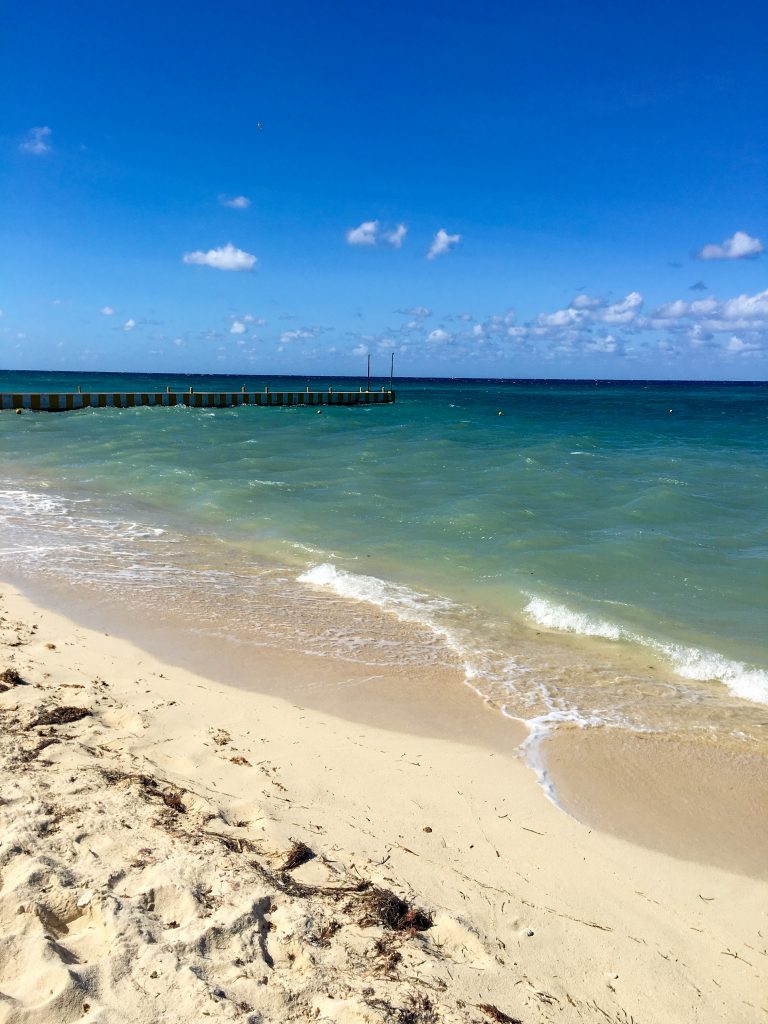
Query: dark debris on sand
x=10 y=678
x=298 y=854
x=383 y=907
x=61 y=715
x=498 y=1015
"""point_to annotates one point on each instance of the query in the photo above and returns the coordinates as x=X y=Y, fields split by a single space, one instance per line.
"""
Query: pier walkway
x=71 y=400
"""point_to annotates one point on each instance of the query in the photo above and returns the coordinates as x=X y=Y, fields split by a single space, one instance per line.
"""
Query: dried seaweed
x=284 y=883
x=298 y=854
x=498 y=1015
x=172 y=799
x=61 y=715
x=8 y=678
x=419 y=1010
x=383 y=907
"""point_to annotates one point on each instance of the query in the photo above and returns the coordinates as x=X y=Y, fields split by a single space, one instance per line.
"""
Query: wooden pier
x=71 y=400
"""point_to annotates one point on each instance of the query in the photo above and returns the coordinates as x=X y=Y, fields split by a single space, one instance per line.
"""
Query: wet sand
x=694 y=800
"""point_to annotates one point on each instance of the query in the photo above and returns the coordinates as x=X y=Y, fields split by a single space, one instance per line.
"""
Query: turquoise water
x=597 y=552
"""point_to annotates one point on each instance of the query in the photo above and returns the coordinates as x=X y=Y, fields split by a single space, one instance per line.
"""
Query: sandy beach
x=176 y=849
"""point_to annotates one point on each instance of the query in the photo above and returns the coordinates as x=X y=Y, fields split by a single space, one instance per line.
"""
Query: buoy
x=319 y=412
x=501 y=414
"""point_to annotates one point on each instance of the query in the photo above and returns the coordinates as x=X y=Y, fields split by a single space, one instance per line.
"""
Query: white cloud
x=747 y=307
x=396 y=236
x=360 y=350
x=248 y=318
x=297 y=335
x=560 y=318
x=586 y=302
x=438 y=336
x=129 y=325
x=623 y=312
x=418 y=311
x=442 y=243
x=36 y=141
x=235 y=202
x=740 y=246
x=227 y=257
x=607 y=345
x=106 y=311
x=703 y=307
x=238 y=327
x=365 y=234
x=672 y=310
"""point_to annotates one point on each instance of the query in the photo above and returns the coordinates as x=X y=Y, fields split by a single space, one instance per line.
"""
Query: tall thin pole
x=369 y=371
x=391 y=370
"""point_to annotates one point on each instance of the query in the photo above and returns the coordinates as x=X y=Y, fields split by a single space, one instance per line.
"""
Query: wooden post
x=369 y=372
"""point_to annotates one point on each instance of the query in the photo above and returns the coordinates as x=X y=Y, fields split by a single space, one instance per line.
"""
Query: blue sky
x=486 y=189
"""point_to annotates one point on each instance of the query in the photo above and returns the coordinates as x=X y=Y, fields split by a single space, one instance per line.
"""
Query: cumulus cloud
x=607 y=345
x=442 y=243
x=360 y=350
x=672 y=310
x=438 y=336
x=587 y=310
x=698 y=286
x=560 y=318
x=703 y=307
x=370 y=233
x=396 y=236
x=238 y=327
x=622 y=312
x=227 y=257
x=740 y=246
x=129 y=324
x=106 y=311
x=235 y=202
x=36 y=141
x=747 y=307
x=364 y=234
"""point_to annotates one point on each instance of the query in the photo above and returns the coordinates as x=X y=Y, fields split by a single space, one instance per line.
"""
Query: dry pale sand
x=147 y=815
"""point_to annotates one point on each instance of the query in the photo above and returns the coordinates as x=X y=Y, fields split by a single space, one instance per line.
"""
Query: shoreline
x=532 y=912
x=679 y=794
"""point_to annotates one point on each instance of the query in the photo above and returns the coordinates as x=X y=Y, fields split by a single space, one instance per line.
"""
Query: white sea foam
x=557 y=616
x=539 y=728
x=422 y=610
x=742 y=680
x=409 y=605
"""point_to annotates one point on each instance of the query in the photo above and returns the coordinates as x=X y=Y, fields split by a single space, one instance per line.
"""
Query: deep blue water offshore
x=598 y=553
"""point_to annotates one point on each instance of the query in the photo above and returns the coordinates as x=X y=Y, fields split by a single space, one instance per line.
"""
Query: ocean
x=587 y=552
